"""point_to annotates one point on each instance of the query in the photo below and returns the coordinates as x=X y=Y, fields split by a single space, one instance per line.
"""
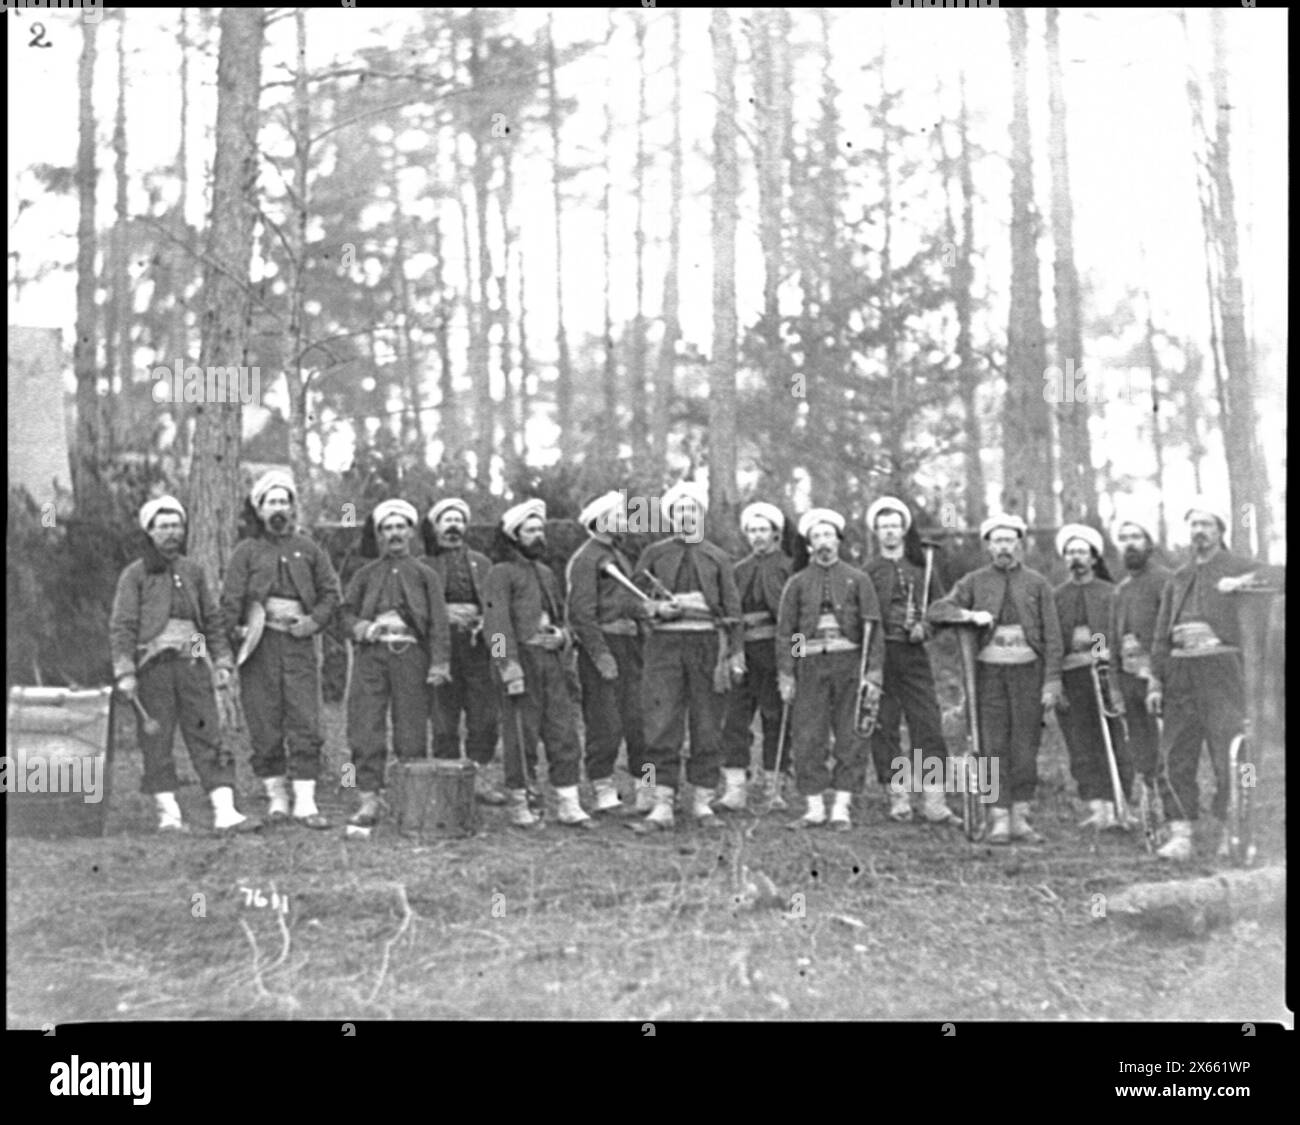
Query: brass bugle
x=613 y=571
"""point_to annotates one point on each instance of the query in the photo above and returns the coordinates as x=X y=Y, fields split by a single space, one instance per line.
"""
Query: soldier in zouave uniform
x=819 y=636
x=527 y=647
x=695 y=647
x=760 y=578
x=604 y=618
x=1198 y=682
x=1018 y=668
x=396 y=616
x=908 y=687
x=1085 y=603
x=290 y=577
x=166 y=635
x=472 y=690
x=1132 y=629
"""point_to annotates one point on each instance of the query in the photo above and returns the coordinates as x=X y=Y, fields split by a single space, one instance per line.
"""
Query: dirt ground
x=886 y=922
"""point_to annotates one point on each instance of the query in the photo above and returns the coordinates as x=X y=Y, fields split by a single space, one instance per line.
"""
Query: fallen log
x=1192 y=907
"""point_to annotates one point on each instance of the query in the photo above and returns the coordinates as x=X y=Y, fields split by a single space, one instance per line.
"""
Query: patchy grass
x=898 y=922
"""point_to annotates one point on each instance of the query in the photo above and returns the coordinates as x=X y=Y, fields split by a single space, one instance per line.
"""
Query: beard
x=1135 y=557
x=277 y=522
x=534 y=550
x=453 y=536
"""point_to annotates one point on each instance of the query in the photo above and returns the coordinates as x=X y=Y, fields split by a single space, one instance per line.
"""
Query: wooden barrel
x=58 y=747
x=434 y=797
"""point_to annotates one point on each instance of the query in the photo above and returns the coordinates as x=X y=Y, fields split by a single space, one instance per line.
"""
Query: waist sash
x=1196 y=638
x=1007 y=646
x=283 y=612
x=819 y=646
x=177 y=636
x=621 y=627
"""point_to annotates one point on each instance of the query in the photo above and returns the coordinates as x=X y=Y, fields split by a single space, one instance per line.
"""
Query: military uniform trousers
x=178 y=691
x=386 y=682
x=1010 y=698
x=759 y=693
x=1083 y=739
x=908 y=692
x=546 y=712
x=1204 y=701
x=677 y=684
x=280 y=688
x=825 y=699
x=472 y=693
x=611 y=709
x=1143 y=734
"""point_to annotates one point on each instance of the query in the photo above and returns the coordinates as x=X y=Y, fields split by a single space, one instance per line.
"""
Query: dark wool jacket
x=1216 y=609
x=252 y=570
x=1098 y=606
x=664 y=558
x=479 y=565
x=1030 y=594
x=595 y=598
x=773 y=571
x=143 y=604
x=854 y=601
x=425 y=611
x=883 y=573
x=1137 y=602
x=518 y=590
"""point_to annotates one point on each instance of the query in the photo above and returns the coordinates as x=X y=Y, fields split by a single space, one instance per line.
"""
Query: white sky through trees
x=1131 y=168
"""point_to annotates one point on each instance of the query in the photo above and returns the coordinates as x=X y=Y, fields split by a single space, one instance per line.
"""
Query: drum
x=58 y=753
x=434 y=797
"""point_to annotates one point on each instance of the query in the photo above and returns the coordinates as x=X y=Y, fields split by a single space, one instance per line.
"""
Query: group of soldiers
x=832 y=656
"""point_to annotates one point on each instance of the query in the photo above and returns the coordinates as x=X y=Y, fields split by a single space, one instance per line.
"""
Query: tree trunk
x=896 y=428
x=481 y=344
x=215 y=485
x=968 y=370
x=89 y=493
x=296 y=237
x=118 y=417
x=637 y=352
x=564 y=363
x=179 y=335
x=607 y=443
x=523 y=401
x=769 y=36
x=666 y=369
x=1157 y=437
x=1028 y=471
x=726 y=214
x=448 y=416
x=1191 y=907
x=1078 y=482
x=1247 y=471
x=409 y=358
x=509 y=416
